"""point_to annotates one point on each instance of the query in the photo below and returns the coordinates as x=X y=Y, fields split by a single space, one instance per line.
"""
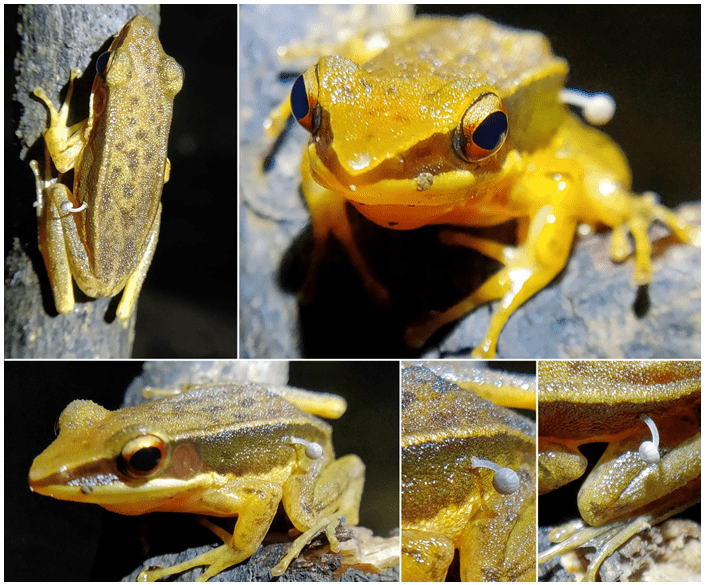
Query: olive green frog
x=220 y=450
x=649 y=414
x=103 y=233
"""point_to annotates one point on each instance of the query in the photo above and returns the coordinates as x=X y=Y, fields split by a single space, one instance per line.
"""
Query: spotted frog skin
x=464 y=122
x=449 y=500
x=103 y=233
x=606 y=401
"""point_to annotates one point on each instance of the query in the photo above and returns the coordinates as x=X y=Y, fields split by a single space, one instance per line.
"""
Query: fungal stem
x=597 y=108
x=505 y=480
x=312 y=450
x=67 y=206
x=649 y=450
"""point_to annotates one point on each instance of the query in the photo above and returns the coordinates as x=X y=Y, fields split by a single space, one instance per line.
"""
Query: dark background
x=51 y=540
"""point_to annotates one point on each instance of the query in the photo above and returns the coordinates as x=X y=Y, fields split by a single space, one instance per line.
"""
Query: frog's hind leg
x=137 y=277
x=644 y=211
x=528 y=268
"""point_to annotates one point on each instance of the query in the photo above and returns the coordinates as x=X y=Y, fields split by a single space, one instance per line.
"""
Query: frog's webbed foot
x=604 y=539
x=327 y=524
x=215 y=560
x=647 y=210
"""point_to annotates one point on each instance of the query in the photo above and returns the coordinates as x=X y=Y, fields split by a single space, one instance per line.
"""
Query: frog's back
x=210 y=410
x=127 y=153
x=586 y=398
x=468 y=48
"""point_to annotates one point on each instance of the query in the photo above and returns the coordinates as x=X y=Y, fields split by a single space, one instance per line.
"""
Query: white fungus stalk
x=311 y=450
x=505 y=480
x=649 y=450
x=597 y=108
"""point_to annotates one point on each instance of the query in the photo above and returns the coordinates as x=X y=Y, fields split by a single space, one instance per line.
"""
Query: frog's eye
x=505 y=480
x=104 y=62
x=312 y=450
x=142 y=456
x=482 y=130
x=649 y=450
x=304 y=103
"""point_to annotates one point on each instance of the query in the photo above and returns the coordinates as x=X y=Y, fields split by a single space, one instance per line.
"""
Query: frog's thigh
x=57 y=235
x=329 y=217
x=337 y=490
x=426 y=556
x=137 y=277
x=255 y=503
x=558 y=465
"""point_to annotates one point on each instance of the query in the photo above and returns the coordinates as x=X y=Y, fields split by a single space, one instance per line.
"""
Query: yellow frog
x=468 y=483
x=649 y=413
x=104 y=233
x=224 y=450
x=464 y=122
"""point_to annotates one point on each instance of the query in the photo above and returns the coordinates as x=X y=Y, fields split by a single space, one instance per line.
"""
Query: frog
x=623 y=403
x=103 y=234
x=468 y=483
x=223 y=450
x=464 y=124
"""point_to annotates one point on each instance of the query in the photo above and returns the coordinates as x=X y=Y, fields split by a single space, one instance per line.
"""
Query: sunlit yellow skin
x=587 y=402
x=446 y=503
x=229 y=450
x=103 y=233
x=384 y=142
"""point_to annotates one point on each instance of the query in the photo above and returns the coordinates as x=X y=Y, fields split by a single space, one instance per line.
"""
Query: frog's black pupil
x=146 y=459
x=491 y=131
x=299 y=99
x=102 y=63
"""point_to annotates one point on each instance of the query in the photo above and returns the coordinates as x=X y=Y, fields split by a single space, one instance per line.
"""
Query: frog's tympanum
x=468 y=483
x=225 y=451
x=104 y=233
x=649 y=414
x=463 y=122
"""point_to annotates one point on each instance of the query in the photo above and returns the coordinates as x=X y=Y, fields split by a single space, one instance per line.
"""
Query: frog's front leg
x=645 y=210
x=528 y=268
x=499 y=542
x=426 y=556
x=316 y=504
x=255 y=503
x=329 y=218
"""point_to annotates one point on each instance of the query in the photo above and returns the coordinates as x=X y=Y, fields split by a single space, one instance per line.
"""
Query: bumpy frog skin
x=610 y=401
x=464 y=122
x=227 y=450
x=104 y=233
x=452 y=497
